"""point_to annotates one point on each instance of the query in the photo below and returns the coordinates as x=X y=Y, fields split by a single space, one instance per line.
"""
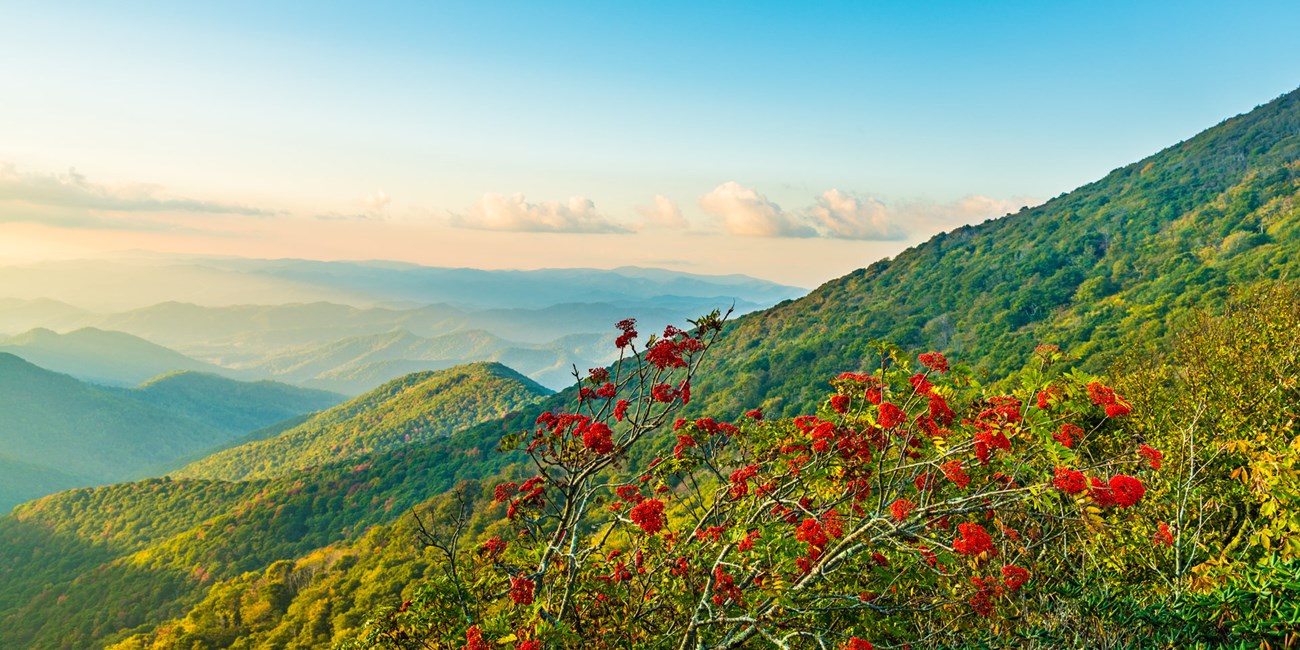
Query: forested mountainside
x=59 y=432
x=1097 y=271
x=412 y=409
x=229 y=405
x=83 y=567
x=86 y=565
x=1217 y=386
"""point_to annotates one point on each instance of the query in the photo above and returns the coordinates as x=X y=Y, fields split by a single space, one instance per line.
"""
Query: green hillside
x=415 y=408
x=237 y=407
x=59 y=432
x=319 y=597
x=100 y=356
x=1112 y=263
x=132 y=555
x=62 y=426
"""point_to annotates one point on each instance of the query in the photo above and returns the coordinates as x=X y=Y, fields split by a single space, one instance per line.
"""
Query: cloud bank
x=514 y=213
x=837 y=214
x=72 y=190
x=745 y=212
x=372 y=207
x=846 y=216
x=665 y=213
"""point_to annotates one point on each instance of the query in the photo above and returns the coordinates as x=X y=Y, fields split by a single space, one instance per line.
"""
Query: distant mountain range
x=99 y=356
x=130 y=283
x=541 y=323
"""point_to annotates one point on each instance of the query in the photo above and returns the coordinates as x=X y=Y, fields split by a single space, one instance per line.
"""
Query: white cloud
x=842 y=215
x=746 y=212
x=376 y=202
x=72 y=192
x=929 y=216
x=372 y=209
x=986 y=207
x=513 y=213
x=846 y=216
x=664 y=214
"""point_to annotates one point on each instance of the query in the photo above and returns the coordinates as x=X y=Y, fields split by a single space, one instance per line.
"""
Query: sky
x=789 y=141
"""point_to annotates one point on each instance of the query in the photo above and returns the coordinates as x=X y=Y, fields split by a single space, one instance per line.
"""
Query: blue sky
x=702 y=137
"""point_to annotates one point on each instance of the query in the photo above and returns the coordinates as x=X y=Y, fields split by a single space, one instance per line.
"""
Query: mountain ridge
x=393 y=415
x=60 y=432
x=101 y=356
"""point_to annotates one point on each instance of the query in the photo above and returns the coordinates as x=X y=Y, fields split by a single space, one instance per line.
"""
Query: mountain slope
x=418 y=407
x=1113 y=263
x=58 y=432
x=100 y=356
x=85 y=567
x=65 y=427
x=236 y=407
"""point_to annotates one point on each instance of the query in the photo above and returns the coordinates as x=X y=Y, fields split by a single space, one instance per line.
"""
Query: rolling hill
x=59 y=432
x=415 y=408
x=133 y=554
x=66 y=428
x=235 y=407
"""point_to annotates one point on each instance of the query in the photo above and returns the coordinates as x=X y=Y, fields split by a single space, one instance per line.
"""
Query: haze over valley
x=341 y=326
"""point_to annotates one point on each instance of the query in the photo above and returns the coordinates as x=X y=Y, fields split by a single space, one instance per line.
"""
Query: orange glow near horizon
x=801 y=262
